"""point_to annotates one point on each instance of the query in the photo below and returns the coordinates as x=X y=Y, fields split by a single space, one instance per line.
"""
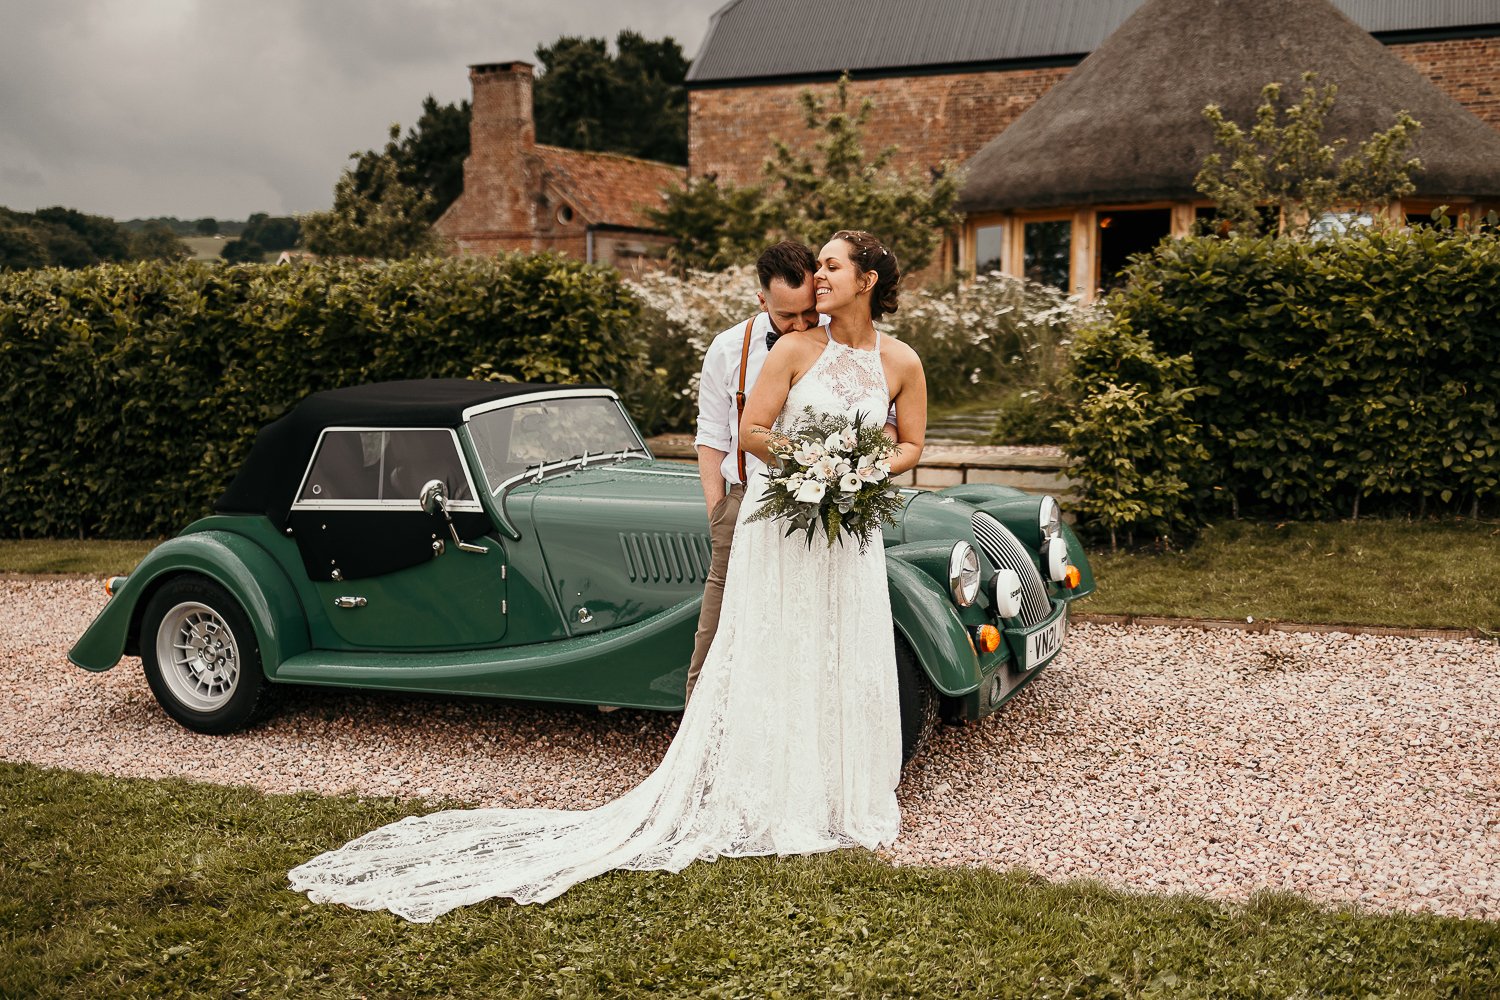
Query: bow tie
x=771 y=337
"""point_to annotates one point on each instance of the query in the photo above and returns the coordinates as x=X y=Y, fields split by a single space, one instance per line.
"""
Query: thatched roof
x=1127 y=125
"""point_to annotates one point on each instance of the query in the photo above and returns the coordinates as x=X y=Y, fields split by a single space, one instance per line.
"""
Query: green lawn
x=1427 y=574
x=85 y=558
x=112 y=887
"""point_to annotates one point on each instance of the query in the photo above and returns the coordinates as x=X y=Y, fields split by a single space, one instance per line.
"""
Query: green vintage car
x=519 y=541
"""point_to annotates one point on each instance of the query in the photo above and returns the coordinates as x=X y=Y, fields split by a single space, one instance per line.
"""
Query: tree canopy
x=66 y=237
x=376 y=213
x=632 y=101
x=1282 y=164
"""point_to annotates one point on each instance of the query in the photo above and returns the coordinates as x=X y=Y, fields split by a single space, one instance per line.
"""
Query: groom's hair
x=788 y=260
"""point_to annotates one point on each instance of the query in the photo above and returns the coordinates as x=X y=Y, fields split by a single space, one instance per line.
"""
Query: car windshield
x=512 y=439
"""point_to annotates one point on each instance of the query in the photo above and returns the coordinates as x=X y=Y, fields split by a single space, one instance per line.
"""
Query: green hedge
x=129 y=394
x=1352 y=374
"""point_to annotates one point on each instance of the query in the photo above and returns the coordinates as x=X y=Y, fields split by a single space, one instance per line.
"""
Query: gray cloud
x=133 y=108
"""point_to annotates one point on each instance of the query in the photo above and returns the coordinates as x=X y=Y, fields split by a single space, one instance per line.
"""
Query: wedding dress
x=791 y=743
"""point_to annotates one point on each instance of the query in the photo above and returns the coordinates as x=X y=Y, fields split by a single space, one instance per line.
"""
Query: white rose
x=850 y=483
x=810 y=492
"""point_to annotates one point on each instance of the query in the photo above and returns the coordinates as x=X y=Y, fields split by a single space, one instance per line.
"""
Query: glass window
x=388 y=466
x=514 y=438
x=1048 y=249
x=987 y=242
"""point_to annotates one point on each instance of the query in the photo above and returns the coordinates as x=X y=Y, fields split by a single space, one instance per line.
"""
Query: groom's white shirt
x=718 y=423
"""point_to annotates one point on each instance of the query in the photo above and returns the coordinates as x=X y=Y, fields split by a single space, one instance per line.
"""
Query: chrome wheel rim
x=198 y=656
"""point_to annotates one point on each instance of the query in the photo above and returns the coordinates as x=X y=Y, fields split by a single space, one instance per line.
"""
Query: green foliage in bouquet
x=834 y=476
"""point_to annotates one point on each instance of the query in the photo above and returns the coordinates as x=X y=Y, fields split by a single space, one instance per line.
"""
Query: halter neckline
x=849 y=347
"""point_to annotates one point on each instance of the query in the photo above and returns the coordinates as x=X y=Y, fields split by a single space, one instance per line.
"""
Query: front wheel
x=919 y=701
x=201 y=656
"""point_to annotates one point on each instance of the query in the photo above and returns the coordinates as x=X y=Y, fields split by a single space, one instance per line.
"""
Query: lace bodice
x=842 y=379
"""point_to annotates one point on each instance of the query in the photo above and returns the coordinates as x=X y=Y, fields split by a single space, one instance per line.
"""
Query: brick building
x=519 y=195
x=948 y=76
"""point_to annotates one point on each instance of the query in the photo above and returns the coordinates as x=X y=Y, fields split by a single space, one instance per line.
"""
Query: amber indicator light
x=988 y=638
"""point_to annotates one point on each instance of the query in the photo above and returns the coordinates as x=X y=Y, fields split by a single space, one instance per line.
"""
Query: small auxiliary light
x=1072 y=578
x=987 y=638
x=113 y=583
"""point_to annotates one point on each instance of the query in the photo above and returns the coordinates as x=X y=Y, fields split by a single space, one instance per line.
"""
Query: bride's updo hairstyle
x=869 y=254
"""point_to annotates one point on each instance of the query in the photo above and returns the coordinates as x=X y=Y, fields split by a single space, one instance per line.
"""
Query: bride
x=791 y=743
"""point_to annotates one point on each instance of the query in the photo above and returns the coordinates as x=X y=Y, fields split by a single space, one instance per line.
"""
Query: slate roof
x=608 y=189
x=1127 y=125
x=767 y=39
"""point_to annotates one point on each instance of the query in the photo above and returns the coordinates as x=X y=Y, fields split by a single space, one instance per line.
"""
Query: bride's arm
x=911 y=416
x=765 y=401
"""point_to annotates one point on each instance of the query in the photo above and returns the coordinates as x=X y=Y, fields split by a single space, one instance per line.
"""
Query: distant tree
x=429 y=157
x=1283 y=163
x=272 y=232
x=20 y=249
x=375 y=213
x=243 y=251
x=206 y=227
x=632 y=102
x=157 y=242
x=106 y=239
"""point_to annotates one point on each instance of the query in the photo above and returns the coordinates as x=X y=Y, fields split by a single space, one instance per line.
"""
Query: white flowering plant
x=833 y=477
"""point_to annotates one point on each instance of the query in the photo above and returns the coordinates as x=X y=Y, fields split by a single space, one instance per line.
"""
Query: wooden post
x=1083 y=276
x=1183 y=217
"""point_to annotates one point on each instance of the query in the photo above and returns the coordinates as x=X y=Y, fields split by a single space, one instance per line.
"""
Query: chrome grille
x=1005 y=551
x=665 y=558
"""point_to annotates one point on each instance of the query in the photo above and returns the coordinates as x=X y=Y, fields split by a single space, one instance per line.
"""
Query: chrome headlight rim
x=1049 y=517
x=963 y=574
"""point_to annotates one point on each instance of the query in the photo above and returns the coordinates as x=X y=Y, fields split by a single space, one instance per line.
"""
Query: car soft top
x=268 y=479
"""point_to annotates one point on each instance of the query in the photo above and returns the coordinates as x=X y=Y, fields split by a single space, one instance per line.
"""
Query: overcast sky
x=191 y=108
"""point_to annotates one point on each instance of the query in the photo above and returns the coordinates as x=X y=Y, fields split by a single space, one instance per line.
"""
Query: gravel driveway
x=1346 y=768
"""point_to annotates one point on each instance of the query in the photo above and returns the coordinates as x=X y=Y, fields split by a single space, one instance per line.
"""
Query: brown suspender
x=739 y=397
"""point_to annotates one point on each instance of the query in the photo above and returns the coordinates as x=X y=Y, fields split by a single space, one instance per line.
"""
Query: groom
x=786 y=299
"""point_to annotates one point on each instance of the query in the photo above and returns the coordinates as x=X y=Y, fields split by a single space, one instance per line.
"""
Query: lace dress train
x=790 y=745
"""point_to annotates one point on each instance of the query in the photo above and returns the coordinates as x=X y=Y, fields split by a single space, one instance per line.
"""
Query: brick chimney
x=502 y=134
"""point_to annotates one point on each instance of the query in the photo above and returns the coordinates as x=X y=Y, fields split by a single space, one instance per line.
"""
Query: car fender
x=925 y=617
x=234 y=562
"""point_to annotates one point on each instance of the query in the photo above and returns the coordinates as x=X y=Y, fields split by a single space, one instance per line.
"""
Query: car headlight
x=1007 y=593
x=1049 y=517
x=1055 y=559
x=963 y=574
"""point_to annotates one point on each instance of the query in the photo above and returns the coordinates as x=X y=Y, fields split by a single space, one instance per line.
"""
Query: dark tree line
x=65 y=237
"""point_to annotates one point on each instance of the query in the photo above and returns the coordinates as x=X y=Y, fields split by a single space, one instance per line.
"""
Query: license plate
x=1043 y=644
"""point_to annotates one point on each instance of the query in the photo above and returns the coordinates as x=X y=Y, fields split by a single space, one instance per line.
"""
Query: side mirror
x=432 y=498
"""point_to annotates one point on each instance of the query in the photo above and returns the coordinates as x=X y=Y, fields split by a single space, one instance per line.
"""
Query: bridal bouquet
x=833 y=477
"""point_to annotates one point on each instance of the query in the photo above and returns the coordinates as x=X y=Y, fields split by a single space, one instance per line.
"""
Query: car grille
x=1005 y=551
x=660 y=557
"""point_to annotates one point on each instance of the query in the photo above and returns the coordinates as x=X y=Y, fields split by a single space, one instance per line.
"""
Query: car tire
x=919 y=700
x=201 y=657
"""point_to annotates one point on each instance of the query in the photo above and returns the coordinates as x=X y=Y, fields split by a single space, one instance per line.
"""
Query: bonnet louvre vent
x=661 y=557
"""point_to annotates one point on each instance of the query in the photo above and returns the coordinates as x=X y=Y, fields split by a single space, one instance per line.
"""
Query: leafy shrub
x=1326 y=377
x=130 y=394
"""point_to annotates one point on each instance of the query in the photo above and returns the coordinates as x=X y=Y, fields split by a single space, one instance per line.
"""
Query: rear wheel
x=919 y=701
x=201 y=657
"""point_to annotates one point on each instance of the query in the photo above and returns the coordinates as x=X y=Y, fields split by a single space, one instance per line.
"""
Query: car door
x=387 y=574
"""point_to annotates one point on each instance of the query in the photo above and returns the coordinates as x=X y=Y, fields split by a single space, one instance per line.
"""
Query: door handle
x=349 y=602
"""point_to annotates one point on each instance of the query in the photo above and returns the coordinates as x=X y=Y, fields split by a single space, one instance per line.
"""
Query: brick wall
x=932 y=118
x=1467 y=69
x=951 y=116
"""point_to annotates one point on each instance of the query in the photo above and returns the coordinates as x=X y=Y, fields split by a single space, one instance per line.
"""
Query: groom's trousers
x=721 y=521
